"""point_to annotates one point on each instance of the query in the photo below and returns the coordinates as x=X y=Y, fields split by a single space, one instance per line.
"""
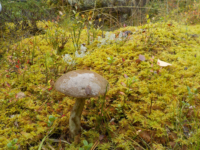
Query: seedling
x=91 y=30
x=77 y=26
x=111 y=59
x=11 y=145
x=129 y=82
x=51 y=120
x=191 y=94
x=49 y=123
x=86 y=146
x=48 y=60
x=33 y=51
x=120 y=111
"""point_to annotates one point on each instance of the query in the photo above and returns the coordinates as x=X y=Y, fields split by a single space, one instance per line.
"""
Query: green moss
x=152 y=104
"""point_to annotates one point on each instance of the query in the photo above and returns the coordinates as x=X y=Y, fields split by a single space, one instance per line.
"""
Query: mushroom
x=81 y=84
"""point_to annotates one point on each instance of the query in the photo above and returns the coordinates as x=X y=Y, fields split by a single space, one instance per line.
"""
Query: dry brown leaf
x=138 y=61
x=172 y=144
x=172 y=136
x=122 y=93
x=101 y=137
x=146 y=136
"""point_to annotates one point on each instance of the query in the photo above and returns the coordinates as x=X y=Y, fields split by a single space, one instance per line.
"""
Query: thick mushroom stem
x=75 y=117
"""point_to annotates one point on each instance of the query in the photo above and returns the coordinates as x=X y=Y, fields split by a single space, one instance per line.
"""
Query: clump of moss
x=147 y=105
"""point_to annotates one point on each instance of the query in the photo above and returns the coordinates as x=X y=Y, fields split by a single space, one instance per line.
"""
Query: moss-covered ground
x=147 y=107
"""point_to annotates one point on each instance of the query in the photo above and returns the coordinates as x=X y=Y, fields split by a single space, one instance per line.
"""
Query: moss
x=152 y=104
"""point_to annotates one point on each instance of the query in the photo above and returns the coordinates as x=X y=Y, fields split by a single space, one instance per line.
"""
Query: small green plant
x=48 y=61
x=12 y=145
x=102 y=122
x=191 y=94
x=77 y=28
x=120 y=43
x=129 y=82
x=33 y=51
x=86 y=146
x=120 y=111
x=53 y=38
x=111 y=60
x=91 y=30
x=51 y=120
x=49 y=123
x=57 y=39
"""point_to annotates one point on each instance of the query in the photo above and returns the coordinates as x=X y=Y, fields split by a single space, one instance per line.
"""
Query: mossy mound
x=147 y=105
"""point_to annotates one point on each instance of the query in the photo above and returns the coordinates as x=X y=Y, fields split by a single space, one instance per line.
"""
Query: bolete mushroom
x=81 y=84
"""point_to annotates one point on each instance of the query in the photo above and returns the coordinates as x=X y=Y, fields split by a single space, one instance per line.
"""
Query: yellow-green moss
x=152 y=104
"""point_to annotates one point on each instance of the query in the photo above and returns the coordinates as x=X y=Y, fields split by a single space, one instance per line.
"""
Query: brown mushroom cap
x=82 y=84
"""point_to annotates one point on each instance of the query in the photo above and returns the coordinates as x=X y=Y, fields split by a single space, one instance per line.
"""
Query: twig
x=50 y=146
x=56 y=140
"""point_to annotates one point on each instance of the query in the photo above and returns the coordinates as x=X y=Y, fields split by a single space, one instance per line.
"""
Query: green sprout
x=77 y=28
x=111 y=59
x=49 y=123
x=48 y=61
x=86 y=146
x=130 y=81
x=191 y=94
x=11 y=145
x=51 y=120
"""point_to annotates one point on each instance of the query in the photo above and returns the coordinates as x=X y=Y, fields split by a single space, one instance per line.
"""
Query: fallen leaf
x=142 y=57
x=17 y=66
x=8 y=85
x=169 y=24
x=138 y=132
x=101 y=137
x=125 y=75
x=122 y=83
x=50 y=88
x=60 y=12
x=162 y=63
x=122 y=93
x=145 y=136
x=138 y=61
x=143 y=31
x=20 y=95
x=172 y=144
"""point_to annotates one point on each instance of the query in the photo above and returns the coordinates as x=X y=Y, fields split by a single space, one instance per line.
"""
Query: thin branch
x=56 y=140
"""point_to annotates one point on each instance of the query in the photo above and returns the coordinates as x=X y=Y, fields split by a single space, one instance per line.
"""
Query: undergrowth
x=148 y=106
